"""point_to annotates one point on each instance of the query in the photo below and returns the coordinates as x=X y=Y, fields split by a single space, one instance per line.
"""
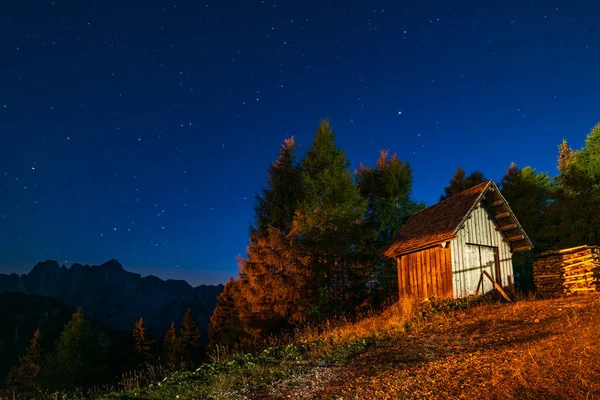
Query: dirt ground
x=544 y=349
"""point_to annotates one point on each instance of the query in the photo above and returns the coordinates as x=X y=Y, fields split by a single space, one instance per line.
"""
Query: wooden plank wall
x=426 y=273
x=480 y=229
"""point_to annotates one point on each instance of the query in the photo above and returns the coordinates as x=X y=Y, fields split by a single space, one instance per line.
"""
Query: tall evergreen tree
x=330 y=219
x=190 y=338
x=275 y=283
x=387 y=189
x=565 y=156
x=577 y=194
x=461 y=182
x=225 y=327
x=77 y=360
x=247 y=303
x=529 y=195
x=172 y=348
x=142 y=344
x=277 y=205
x=25 y=376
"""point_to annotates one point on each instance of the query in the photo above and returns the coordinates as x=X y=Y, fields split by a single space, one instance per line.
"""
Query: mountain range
x=117 y=298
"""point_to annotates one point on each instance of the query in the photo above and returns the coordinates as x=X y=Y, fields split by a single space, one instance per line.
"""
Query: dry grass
x=547 y=349
x=393 y=321
x=530 y=349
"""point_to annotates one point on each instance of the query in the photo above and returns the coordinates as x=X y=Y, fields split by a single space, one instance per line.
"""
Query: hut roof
x=441 y=222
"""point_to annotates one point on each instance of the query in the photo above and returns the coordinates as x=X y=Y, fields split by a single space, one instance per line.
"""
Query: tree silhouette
x=190 y=338
x=25 y=376
x=329 y=226
x=142 y=344
x=225 y=327
x=461 y=182
x=172 y=348
x=387 y=189
x=76 y=362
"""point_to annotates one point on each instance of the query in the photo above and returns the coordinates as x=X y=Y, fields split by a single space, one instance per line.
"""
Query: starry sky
x=142 y=130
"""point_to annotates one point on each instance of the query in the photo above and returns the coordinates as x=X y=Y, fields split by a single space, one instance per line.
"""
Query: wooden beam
x=496 y=285
x=497 y=203
x=502 y=215
x=516 y=237
x=522 y=248
x=508 y=227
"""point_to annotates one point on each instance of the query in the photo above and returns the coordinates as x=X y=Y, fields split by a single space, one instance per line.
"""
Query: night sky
x=142 y=130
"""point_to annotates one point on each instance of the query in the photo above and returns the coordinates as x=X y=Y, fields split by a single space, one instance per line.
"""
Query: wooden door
x=477 y=259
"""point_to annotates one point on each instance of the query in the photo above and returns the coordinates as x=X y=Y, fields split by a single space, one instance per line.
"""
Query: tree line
x=316 y=244
x=85 y=356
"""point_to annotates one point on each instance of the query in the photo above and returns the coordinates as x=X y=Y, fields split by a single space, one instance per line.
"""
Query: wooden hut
x=443 y=250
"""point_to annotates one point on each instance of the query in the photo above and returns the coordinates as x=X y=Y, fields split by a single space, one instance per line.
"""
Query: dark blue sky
x=141 y=130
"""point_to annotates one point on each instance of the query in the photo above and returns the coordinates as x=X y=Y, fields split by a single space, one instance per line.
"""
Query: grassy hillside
x=524 y=350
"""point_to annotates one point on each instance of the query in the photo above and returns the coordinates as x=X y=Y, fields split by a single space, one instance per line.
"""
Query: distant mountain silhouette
x=117 y=298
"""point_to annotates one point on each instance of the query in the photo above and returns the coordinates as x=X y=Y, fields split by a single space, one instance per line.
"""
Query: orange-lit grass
x=544 y=349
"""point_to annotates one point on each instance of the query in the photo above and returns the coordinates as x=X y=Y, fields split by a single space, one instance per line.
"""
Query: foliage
x=142 y=344
x=387 y=189
x=225 y=327
x=78 y=358
x=577 y=194
x=315 y=251
x=189 y=338
x=172 y=348
x=275 y=279
x=25 y=376
x=331 y=226
x=461 y=182
x=276 y=206
x=528 y=193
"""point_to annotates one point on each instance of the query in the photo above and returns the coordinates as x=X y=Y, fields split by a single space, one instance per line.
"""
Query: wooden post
x=496 y=285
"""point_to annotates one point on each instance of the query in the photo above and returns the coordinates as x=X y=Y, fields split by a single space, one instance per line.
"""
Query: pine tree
x=529 y=194
x=142 y=344
x=329 y=226
x=461 y=182
x=247 y=310
x=190 y=338
x=77 y=358
x=387 y=189
x=565 y=156
x=25 y=376
x=274 y=283
x=277 y=205
x=225 y=327
x=172 y=348
x=577 y=194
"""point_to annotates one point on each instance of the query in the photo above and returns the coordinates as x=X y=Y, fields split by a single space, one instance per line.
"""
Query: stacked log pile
x=570 y=271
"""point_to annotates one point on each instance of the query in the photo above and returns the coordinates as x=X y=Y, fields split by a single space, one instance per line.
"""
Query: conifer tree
x=142 y=344
x=577 y=194
x=261 y=311
x=329 y=220
x=565 y=156
x=76 y=361
x=277 y=205
x=190 y=338
x=25 y=376
x=172 y=348
x=275 y=283
x=387 y=189
x=529 y=195
x=461 y=182
x=225 y=327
